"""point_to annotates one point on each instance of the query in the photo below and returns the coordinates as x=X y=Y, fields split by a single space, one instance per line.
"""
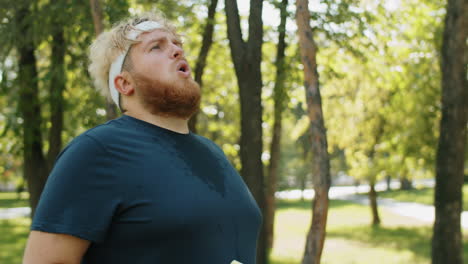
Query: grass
x=420 y=195
x=11 y=199
x=350 y=237
x=14 y=233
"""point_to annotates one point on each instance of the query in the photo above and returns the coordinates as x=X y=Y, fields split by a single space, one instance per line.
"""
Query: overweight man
x=143 y=189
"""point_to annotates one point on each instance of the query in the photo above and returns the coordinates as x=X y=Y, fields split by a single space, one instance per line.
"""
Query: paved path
x=340 y=191
x=418 y=211
x=8 y=213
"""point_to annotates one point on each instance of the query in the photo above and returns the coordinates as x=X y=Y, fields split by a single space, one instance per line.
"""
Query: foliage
x=376 y=62
x=380 y=81
x=386 y=101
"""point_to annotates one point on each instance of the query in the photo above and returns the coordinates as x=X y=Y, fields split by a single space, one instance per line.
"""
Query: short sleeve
x=81 y=193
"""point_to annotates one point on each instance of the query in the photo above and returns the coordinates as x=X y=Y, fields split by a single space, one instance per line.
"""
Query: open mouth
x=183 y=67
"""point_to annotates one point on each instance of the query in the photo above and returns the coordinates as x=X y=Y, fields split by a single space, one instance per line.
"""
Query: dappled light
x=341 y=124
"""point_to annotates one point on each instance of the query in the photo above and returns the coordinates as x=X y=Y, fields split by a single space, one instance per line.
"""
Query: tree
x=279 y=97
x=321 y=163
x=372 y=176
x=247 y=57
x=447 y=237
x=41 y=82
x=57 y=84
x=385 y=95
x=98 y=19
x=202 y=56
x=34 y=166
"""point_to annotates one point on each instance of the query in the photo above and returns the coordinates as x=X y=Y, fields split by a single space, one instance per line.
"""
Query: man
x=142 y=188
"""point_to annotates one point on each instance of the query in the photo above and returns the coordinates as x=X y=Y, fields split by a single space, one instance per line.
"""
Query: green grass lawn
x=11 y=199
x=14 y=233
x=420 y=195
x=350 y=238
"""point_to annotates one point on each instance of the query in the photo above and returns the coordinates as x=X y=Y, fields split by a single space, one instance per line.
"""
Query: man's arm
x=50 y=248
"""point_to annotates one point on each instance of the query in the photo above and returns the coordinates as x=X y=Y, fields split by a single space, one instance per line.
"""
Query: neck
x=178 y=125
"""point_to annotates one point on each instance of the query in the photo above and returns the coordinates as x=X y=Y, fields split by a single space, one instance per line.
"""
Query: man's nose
x=177 y=51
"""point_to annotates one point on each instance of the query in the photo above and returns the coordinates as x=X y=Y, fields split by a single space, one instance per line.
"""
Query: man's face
x=163 y=81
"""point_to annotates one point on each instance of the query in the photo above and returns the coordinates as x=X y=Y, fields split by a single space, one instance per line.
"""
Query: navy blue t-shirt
x=143 y=194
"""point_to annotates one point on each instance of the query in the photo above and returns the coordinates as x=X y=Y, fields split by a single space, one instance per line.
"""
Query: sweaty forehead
x=145 y=40
x=155 y=35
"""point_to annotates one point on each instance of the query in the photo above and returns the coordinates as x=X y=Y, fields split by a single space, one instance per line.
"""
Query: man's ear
x=124 y=83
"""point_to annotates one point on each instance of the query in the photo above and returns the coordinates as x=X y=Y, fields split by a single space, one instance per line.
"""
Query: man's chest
x=173 y=198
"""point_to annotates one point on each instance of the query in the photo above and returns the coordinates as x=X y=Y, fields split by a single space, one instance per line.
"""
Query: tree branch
x=236 y=42
x=255 y=29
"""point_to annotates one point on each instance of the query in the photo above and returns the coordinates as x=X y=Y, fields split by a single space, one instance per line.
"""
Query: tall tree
x=96 y=11
x=57 y=84
x=372 y=177
x=321 y=162
x=98 y=18
x=279 y=97
x=447 y=237
x=34 y=166
x=247 y=57
x=203 y=55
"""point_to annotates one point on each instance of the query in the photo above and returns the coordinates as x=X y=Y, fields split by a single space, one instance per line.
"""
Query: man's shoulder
x=97 y=135
x=93 y=141
x=101 y=131
x=105 y=132
x=209 y=143
x=204 y=140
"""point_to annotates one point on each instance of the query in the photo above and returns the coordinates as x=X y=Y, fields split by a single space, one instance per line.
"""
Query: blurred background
x=380 y=66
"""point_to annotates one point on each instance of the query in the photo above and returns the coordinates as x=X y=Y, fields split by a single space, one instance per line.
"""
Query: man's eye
x=155 y=47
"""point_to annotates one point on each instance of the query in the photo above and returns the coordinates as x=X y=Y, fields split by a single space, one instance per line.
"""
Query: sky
x=271 y=15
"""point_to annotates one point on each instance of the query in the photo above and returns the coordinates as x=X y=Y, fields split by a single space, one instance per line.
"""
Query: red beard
x=180 y=98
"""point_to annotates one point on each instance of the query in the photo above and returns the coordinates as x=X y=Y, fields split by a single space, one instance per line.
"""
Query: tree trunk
x=247 y=61
x=302 y=185
x=447 y=245
x=34 y=167
x=405 y=183
x=275 y=148
x=372 y=178
x=321 y=162
x=203 y=55
x=96 y=11
x=57 y=86
x=317 y=231
x=373 y=204
x=388 y=180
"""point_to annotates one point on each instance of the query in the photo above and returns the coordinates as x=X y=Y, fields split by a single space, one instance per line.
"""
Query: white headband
x=116 y=66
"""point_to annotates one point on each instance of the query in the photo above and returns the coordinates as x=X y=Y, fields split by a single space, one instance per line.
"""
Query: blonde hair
x=110 y=44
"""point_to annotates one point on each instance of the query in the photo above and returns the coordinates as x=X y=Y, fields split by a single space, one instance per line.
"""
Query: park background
x=381 y=78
